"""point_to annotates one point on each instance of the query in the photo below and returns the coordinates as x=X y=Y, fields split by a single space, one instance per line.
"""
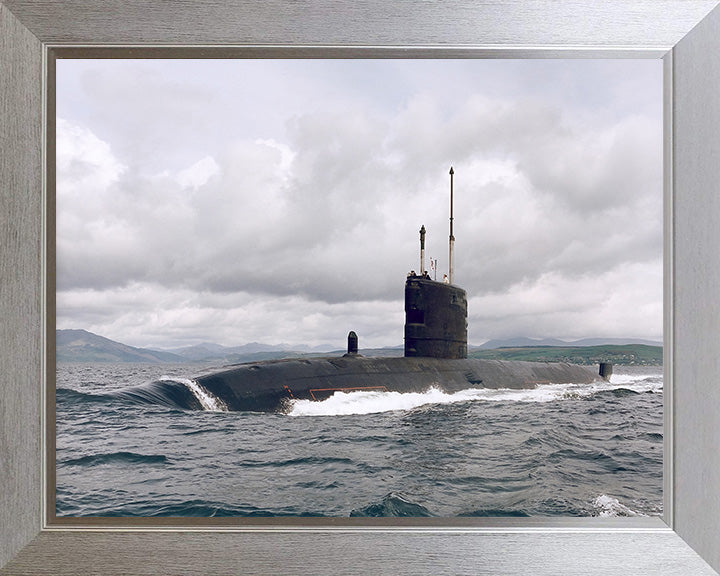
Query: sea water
x=126 y=448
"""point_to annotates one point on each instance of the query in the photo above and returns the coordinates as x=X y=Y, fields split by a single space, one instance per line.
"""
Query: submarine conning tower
x=435 y=312
x=435 y=319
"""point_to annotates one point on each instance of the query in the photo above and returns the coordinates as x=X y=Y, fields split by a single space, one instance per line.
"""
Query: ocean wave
x=370 y=402
x=639 y=378
x=195 y=508
x=392 y=505
x=618 y=392
x=307 y=461
x=498 y=512
x=169 y=392
x=208 y=401
x=70 y=396
x=607 y=506
x=115 y=457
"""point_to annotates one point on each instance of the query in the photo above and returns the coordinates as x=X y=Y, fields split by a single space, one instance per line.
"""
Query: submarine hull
x=271 y=386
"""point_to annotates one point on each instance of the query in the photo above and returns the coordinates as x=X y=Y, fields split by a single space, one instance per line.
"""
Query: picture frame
x=77 y=484
x=683 y=33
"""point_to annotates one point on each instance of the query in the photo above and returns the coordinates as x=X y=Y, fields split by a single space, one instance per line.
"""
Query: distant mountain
x=625 y=354
x=613 y=342
x=522 y=342
x=204 y=351
x=254 y=351
x=84 y=346
x=517 y=342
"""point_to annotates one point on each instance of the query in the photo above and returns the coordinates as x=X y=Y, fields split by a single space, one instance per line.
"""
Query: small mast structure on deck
x=451 y=262
x=422 y=250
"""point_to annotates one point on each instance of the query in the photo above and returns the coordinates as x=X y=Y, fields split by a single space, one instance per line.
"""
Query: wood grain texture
x=371 y=22
x=603 y=554
x=20 y=282
x=654 y=23
x=697 y=287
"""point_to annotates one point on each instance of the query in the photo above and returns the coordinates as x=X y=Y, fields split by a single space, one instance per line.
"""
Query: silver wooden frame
x=685 y=33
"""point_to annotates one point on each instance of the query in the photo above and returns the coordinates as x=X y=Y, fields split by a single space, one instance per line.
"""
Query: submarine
x=435 y=356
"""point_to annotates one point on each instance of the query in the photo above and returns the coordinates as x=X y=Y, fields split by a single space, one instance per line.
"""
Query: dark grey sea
x=125 y=447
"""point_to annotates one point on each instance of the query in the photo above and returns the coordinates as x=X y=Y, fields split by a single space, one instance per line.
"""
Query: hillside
x=252 y=352
x=628 y=354
x=84 y=346
x=525 y=342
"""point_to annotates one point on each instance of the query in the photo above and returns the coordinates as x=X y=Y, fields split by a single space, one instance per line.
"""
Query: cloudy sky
x=279 y=201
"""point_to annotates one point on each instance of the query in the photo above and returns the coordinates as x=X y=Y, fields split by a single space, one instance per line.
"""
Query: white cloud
x=199 y=173
x=625 y=300
x=85 y=161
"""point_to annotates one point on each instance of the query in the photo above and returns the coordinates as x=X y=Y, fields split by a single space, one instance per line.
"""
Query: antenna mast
x=422 y=250
x=452 y=238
